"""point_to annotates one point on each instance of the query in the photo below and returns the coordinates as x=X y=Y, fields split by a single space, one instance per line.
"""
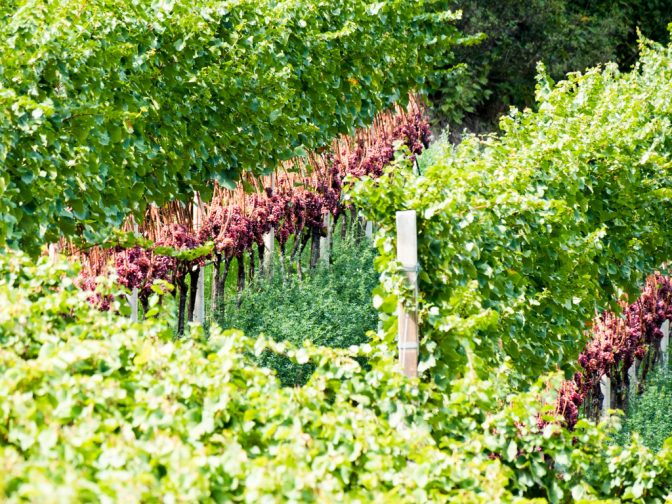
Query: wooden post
x=369 y=230
x=665 y=345
x=407 y=255
x=133 y=299
x=53 y=252
x=325 y=241
x=605 y=389
x=199 y=305
x=269 y=243
x=632 y=377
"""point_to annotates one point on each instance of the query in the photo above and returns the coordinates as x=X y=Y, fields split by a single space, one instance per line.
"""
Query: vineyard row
x=297 y=206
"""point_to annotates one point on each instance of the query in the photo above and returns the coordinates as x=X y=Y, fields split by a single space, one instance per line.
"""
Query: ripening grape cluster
x=617 y=342
x=179 y=237
x=290 y=209
x=87 y=282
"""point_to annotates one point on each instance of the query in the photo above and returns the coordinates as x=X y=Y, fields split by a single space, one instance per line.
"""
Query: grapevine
x=236 y=222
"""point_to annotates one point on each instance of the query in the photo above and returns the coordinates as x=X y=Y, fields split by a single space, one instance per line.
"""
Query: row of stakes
x=407 y=255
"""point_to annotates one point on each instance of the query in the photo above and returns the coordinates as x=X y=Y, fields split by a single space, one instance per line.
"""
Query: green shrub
x=650 y=414
x=523 y=236
x=330 y=307
x=96 y=408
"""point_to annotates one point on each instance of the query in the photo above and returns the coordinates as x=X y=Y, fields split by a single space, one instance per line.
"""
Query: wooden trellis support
x=325 y=241
x=133 y=298
x=632 y=375
x=133 y=301
x=269 y=243
x=53 y=251
x=407 y=255
x=665 y=344
x=368 y=230
x=605 y=389
x=199 y=305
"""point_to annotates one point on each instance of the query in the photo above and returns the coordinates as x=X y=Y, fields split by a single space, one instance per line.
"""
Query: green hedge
x=523 y=236
x=109 y=104
x=330 y=307
x=649 y=415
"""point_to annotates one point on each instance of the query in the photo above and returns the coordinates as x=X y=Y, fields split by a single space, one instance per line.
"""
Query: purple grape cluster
x=291 y=209
x=86 y=281
x=617 y=341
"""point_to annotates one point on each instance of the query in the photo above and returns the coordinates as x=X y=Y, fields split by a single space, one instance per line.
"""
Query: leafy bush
x=97 y=408
x=649 y=415
x=523 y=236
x=515 y=36
x=108 y=105
x=651 y=17
x=331 y=307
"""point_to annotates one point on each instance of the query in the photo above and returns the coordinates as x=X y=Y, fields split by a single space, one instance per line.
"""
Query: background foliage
x=515 y=35
x=650 y=17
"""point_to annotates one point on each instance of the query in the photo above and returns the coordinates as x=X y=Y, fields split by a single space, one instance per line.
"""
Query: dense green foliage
x=523 y=236
x=650 y=414
x=650 y=17
x=97 y=408
x=108 y=104
x=516 y=35
x=331 y=307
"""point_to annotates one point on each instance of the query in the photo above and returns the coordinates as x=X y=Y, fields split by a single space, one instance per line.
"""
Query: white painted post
x=325 y=241
x=605 y=388
x=133 y=298
x=53 y=252
x=407 y=255
x=369 y=230
x=632 y=376
x=133 y=301
x=269 y=244
x=199 y=306
x=665 y=344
